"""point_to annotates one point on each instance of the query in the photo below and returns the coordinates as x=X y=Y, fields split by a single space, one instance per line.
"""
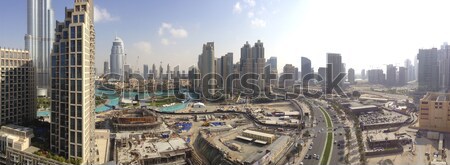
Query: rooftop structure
x=259 y=135
x=434 y=110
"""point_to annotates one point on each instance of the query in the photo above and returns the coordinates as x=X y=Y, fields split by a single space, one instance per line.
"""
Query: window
x=79 y=98
x=72 y=98
x=72 y=136
x=79 y=72
x=79 y=111
x=79 y=59
x=81 y=18
x=72 y=32
x=72 y=46
x=79 y=124
x=79 y=137
x=72 y=123
x=79 y=85
x=72 y=110
x=72 y=75
x=72 y=59
x=65 y=35
x=75 y=18
x=79 y=31
x=79 y=46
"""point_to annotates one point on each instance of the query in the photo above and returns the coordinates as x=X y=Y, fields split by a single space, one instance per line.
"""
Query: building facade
x=73 y=95
x=434 y=111
x=106 y=67
x=391 y=75
x=39 y=40
x=334 y=67
x=428 y=70
x=17 y=87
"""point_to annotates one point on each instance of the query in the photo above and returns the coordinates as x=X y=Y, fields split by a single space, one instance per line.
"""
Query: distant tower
x=117 y=56
x=39 y=40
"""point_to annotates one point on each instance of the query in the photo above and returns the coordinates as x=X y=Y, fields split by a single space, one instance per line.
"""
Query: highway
x=319 y=131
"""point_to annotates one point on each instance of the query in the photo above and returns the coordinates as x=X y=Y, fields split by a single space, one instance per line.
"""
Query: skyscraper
x=410 y=70
x=322 y=72
x=176 y=72
x=292 y=70
x=72 y=121
x=17 y=86
x=351 y=76
x=376 y=76
x=391 y=75
x=154 y=71
x=253 y=61
x=106 y=67
x=402 y=76
x=39 y=39
x=145 y=71
x=226 y=68
x=336 y=65
x=428 y=70
x=117 y=56
x=206 y=59
x=363 y=74
x=306 y=67
x=272 y=62
x=444 y=66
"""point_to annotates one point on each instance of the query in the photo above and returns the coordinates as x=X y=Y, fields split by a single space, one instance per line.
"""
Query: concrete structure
x=135 y=120
x=272 y=62
x=226 y=69
x=207 y=65
x=272 y=153
x=363 y=109
x=17 y=87
x=306 y=67
x=351 y=76
x=428 y=73
x=269 y=138
x=336 y=67
x=176 y=72
x=363 y=74
x=73 y=95
x=117 y=56
x=39 y=39
x=434 y=111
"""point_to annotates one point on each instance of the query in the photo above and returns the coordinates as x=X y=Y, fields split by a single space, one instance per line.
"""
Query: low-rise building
x=269 y=138
x=434 y=111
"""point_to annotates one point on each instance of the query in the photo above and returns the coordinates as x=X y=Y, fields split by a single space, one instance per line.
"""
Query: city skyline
x=300 y=32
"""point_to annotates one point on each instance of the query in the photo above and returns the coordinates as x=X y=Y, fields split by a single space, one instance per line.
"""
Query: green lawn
x=329 y=141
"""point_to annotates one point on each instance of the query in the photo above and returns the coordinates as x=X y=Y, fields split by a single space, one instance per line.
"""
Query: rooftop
x=438 y=97
x=259 y=133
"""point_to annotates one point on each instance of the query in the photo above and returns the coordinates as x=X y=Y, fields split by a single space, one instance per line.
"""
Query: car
x=310 y=147
x=318 y=157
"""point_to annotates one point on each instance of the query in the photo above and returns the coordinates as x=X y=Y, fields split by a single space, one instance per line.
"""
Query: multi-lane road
x=319 y=132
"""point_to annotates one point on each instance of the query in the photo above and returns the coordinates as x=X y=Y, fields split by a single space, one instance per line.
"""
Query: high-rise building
x=72 y=121
x=154 y=71
x=106 y=67
x=306 y=67
x=145 y=69
x=17 y=86
x=444 y=66
x=376 y=76
x=117 y=56
x=428 y=70
x=391 y=75
x=272 y=62
x=292 y=70
x=168 y=72
x=176 y=72
x=410 y=70
x=226 y=69
x=207 y=64
x=363 y=74
x=253 y=61
x=434 y=111
x=336 y=65
x=127 y=71
x=351 y=76
x=39 y=40
x=322 y=72
x=402 y=76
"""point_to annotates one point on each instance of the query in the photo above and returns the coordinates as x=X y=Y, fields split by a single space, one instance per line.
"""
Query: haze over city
x=379 y=32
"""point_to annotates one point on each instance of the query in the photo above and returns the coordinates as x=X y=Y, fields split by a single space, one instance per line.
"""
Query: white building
x=117 y=56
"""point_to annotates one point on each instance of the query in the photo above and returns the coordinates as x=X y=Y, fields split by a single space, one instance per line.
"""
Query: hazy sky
x=368 y=34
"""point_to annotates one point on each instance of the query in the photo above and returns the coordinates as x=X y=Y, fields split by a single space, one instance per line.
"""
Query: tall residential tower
x=117 y=56
x=73 y=101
